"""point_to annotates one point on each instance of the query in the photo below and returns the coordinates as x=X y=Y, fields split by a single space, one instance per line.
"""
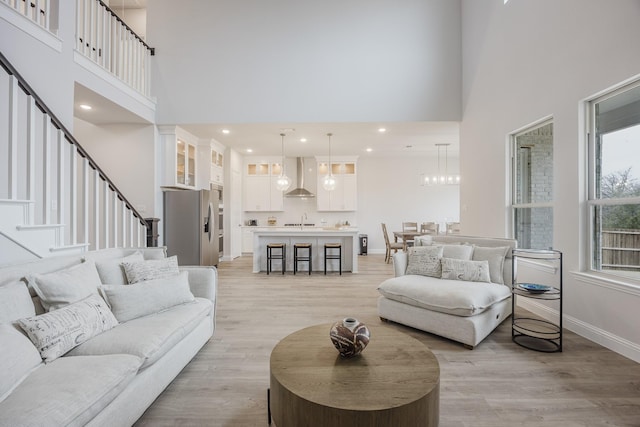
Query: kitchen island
x=317 y=236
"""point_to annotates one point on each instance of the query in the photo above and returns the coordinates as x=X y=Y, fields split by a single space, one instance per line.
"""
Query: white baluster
x=60 y=184
x=106 y=211
x=96 y=209
x=13 y=137
x=73 y=193
x=114 y=201
x=31 y=156
x=123 y=212
x=46 y=169
x=85 y=201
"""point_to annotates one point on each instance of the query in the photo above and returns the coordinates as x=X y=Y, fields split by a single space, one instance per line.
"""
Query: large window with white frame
x=614 y=185
x=532 y=186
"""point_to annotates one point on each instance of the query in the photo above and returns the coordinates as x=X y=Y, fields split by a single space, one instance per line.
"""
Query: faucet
x=302 y=218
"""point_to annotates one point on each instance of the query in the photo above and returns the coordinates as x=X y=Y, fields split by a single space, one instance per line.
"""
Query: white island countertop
x=317 y=236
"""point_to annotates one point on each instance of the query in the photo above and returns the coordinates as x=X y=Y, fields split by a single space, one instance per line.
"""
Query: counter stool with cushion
x=281 y=255
x=329 y=253
x=300 y=258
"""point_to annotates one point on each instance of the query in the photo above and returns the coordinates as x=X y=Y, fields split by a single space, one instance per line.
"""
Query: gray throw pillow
x=151 y=296
x=495 y=256
x=66 y=286
x=424 y=261
x=470 y=271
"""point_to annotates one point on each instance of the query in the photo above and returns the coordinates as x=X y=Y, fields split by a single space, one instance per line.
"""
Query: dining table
x=407 y=236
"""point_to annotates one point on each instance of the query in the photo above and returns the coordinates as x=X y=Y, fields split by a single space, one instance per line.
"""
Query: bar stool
x=299 y=258
x=332 y=255
x=281 y=256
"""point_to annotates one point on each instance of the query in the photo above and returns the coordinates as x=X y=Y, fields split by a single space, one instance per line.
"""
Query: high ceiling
x=406 y=138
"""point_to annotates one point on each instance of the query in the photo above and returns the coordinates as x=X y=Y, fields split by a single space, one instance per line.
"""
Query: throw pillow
x=66 y=286
x=151 y=269
x=495 y=256
x=111 y=270
x=58 y=331
x=470 y=271
x=19 y=358
x=15 y=302
x=457 y=251
x=424 y=261
x=151 y=296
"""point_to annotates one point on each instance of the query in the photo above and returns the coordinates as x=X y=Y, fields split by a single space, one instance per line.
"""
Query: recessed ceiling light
x=303 y=139
x=249 y=150
x=369 y=149
x=226 y=131
x=85 y=106
x=382 y=130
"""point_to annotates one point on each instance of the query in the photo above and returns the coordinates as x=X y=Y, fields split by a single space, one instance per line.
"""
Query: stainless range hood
x=300 y=192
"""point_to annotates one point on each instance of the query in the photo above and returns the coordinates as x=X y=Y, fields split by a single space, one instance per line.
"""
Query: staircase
x=54 y=198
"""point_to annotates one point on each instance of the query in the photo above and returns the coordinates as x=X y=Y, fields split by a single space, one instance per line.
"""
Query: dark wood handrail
x=151 y=49
x=68 y=136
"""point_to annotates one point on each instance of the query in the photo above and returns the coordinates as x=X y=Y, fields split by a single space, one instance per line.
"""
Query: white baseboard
x=590 y=332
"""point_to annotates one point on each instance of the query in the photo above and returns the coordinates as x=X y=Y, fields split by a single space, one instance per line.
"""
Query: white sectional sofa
x=462 y=310
x=146 y=334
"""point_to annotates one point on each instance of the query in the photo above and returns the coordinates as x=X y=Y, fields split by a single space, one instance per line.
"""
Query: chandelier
x=283 y=182
x=443 y=177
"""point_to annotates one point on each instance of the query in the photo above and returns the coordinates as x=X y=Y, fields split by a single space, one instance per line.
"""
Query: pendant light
x=283 y=182
x=441 y=178
x=329 y=181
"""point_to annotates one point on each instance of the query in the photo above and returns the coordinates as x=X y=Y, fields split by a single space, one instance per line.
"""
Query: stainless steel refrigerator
x=191 y=226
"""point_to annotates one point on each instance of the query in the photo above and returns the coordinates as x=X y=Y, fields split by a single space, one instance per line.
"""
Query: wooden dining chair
x=453 y=228
x=395 y=246
x=430 y=228
x=409 y=226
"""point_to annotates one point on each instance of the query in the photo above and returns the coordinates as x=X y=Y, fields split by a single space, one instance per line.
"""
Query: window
x=532 y=186
x=614 y=188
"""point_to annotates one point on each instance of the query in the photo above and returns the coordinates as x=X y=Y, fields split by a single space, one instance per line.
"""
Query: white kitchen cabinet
x=260 y=192
x=345 y=196
x=247 y=240
x=217 y=166
x=181 y=157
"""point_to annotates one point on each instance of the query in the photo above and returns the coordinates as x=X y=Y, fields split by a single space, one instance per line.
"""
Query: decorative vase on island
x=349 y=336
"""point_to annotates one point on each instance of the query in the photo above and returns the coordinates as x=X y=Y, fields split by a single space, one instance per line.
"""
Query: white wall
x=524 y=61
x=126 y=154
x=291 y=61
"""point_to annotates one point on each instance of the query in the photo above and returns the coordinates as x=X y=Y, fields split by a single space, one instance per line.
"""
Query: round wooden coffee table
x=395 y=381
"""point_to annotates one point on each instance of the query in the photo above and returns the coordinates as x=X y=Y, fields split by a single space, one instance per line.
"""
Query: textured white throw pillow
x=58 y=331
x=111 y=271
x=140 y=299
x=66 y=286
x=495 y=256
x=424 y=261
x=471 y=271
x=151 y=269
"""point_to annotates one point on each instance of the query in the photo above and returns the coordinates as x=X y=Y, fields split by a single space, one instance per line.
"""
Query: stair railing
x=39 y=11
x=49 y=170
x=105 y=39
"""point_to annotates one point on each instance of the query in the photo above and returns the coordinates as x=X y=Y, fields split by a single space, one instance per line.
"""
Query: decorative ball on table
x=349 y=336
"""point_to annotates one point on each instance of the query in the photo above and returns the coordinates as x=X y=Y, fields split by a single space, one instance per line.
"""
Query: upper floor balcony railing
x=36 y=10
x=105 y=39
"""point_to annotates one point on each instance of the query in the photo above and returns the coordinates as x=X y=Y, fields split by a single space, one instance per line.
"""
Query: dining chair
x=409 y=226
x=453 y=228
x=430 y=228
x=395 y=246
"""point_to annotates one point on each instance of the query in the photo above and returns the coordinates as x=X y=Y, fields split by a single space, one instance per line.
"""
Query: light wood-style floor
x=497 y=384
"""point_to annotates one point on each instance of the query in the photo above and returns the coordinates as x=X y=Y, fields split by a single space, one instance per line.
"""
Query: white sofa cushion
x=143 y=298
x=425 y=261
x=460 y=269
x=66 y=286
x=69 y=391
x=58 y=331
x=15 y=302
x=148 y=337
x=18 y=357
x=495 y=256
x=460 y=298
x=151 y=269
x=111 y=270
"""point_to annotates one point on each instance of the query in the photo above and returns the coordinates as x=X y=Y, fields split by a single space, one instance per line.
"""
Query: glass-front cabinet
x=344 y=197
x=185 y=163
x=260 y=192
x=180 y=158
